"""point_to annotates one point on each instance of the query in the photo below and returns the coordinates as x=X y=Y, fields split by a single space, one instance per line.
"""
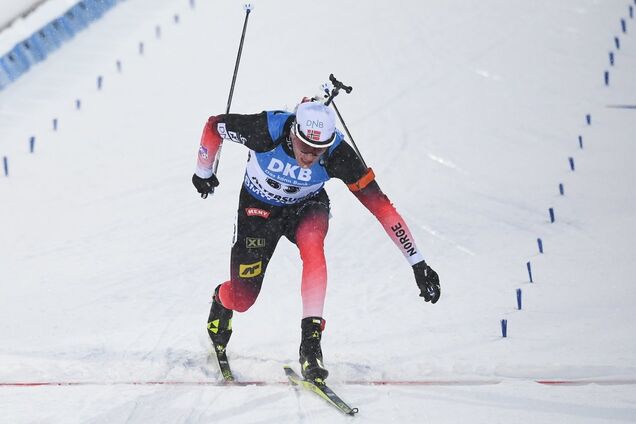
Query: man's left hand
x=428 y=282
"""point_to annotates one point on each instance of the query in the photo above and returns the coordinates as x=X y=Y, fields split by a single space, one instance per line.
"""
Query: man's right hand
x=205 y=186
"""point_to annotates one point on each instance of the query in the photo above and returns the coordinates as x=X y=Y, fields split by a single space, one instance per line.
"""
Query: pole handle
x=338 y=84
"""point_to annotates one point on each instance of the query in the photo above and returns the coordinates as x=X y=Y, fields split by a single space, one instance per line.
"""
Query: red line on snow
x=605 y=382
x=581 y=382
x=141 y=383
x=421 y=382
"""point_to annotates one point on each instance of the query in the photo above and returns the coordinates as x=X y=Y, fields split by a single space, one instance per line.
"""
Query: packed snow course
x=473 y=116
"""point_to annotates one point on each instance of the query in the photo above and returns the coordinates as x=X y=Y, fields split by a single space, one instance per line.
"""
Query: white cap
x=315 y=124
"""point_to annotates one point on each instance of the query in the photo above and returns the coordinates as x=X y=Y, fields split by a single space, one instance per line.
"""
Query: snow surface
x=467 y=112
x=38 y=14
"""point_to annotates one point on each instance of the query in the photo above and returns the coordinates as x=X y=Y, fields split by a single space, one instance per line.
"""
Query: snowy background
x=467 y=112
x=12 y=10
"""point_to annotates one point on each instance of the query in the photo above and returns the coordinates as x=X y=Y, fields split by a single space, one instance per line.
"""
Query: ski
x=224 y=364
x=321 y=389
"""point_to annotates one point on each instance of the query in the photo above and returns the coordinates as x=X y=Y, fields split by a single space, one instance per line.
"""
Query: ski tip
x=293 y=378
x=289 y=372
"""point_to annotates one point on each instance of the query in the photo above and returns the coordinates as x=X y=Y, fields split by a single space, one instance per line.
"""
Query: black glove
x=205 y=186
x=428 y=282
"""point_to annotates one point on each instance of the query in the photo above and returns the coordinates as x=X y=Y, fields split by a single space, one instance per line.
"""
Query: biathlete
x=291 y=156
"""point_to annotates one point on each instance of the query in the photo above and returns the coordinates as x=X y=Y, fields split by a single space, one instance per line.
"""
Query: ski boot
x=219 y=323
x=310 y=352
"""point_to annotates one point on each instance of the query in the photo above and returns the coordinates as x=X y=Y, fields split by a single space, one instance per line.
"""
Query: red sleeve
x=370 y=195
x=210 y=145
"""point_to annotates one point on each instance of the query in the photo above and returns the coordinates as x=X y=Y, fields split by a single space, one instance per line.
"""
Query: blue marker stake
x=617 y=43
x=606 y=76
x=141 y=48
x=623 y=26
x=78 y=104
x=519 y=299
x=611 y=58
x=504 y=328
x=588 y=119
x=176 y=19
x=119 y=66
x=551 y=211
x=571 y=160
x=31 y=144
x=581 y=142
x=631 y=12
x=100 y=81
x=192 y=4
x=561 y=189
x=5 y=160
x=54 y=124
x=540 y=243
x=529 y=271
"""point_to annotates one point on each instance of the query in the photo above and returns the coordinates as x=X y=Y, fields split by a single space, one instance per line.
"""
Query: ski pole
x=248 y=8
x=337 y=86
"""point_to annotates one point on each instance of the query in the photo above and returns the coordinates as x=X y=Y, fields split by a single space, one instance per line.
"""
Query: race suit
x=279 y=198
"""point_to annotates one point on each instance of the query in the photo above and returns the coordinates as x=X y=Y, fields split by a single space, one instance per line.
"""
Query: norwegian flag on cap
x=313 y=135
